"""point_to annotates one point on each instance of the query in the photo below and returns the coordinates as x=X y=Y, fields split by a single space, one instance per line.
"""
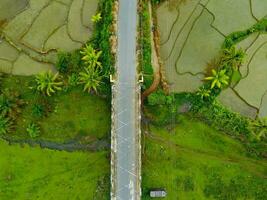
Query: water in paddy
x=9 y=8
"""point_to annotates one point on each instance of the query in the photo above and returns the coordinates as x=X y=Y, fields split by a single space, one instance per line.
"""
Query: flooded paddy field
x=34 y=31
x=192 y=34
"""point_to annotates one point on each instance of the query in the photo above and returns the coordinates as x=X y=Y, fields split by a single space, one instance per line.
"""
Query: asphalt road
x=126 y=178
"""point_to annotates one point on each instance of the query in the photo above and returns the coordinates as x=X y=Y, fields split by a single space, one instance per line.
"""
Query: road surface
x=126 y=177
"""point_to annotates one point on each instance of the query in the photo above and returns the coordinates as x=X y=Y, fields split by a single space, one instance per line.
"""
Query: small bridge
x=126 y=101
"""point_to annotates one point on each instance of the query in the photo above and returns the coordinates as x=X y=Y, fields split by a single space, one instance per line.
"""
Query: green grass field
x=74 y=113
x=194 y=162
x=34 y=173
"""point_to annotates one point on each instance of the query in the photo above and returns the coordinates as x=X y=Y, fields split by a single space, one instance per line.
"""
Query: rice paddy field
x=192 y=33
x=34 y=31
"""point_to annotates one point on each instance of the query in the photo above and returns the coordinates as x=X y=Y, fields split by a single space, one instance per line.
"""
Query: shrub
x=5 y=105
x=63 y=62
x=156 y=98
x=33 y=130
x=73 y=80
x=222 y=119
x=261 y=26
x=10 y=104
x=38 y=110
x=159 y=98
x=5 y=125
x=161 y=115
x=75 y=62
x=259 y=128
x=238 y=187
x=188 y=184
x=219 y=117
x=68 y=62
x=238 y=36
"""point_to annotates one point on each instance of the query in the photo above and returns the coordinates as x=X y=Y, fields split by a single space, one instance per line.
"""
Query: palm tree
x=233 y=57
x=91 y=79
x=259 y=128
x=48 y=83
x=91 y=56
x=218 y=78
x=96 y=18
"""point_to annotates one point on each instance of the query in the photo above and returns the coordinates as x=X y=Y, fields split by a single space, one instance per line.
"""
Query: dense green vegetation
x=102 y=34
x=70 y=107
x=35 y=173
x=211 y=112
x=234 y=38
x=194 y=161
x=231 y=58
x=69 y=114
x=145 y=43
x=227 y=67
x=220 y=74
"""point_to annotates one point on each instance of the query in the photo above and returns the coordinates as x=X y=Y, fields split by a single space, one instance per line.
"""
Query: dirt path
x=154 y=60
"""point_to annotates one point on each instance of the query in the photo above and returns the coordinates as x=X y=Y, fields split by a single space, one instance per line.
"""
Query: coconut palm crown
x=203 y=93
x=233 y=57
x=218 y=78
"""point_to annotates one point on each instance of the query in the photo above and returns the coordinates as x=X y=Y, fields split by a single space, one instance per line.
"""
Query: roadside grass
x=35 y=173
x=71 y=114
x=193 y=161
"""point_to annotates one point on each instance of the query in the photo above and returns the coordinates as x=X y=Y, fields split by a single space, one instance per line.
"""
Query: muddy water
x=70 y=146
x=9 y=8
